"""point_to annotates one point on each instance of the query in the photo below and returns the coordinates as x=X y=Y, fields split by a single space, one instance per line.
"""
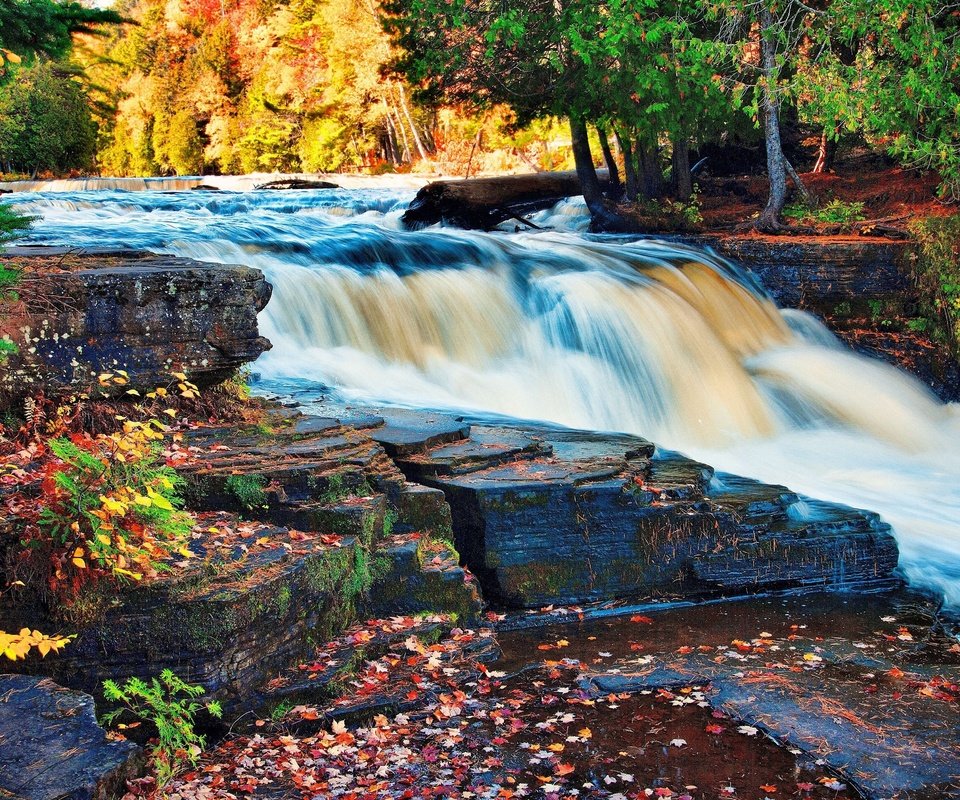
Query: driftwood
x=297 y=183
x=483 y=203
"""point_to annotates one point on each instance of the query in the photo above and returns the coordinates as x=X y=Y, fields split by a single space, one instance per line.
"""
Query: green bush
x=12 y=224
x=45 y=122
x=937 y=274
x=836 y=212
x=170 y=706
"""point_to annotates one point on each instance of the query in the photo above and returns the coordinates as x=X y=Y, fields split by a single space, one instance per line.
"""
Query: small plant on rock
x=835 y=212
x=170 y=705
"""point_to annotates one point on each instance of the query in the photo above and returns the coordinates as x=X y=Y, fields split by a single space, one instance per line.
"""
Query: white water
x=590 y=332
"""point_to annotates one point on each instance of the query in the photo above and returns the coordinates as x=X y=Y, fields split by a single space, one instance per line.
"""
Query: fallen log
x=297 y=183
x=483 y=203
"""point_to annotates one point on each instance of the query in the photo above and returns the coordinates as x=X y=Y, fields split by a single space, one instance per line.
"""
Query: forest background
x=166 y=87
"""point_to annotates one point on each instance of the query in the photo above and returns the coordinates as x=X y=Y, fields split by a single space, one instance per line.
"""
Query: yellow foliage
x=16 y=646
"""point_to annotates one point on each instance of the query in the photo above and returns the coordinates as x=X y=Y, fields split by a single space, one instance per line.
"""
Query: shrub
x=12 y=224
x=669 y=215
x=96 y=507
x=170 y=706
x=836 y=212
x=9 y=281
x=937 y=273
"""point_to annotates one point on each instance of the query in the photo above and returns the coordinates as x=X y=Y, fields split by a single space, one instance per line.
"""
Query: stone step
x=750 y=499
x=423 y=509
x=305 y=460
x=52 y=747
x=676 y=477
x=405 y=433
x=248 y=604
x=364 y=518
x=322 y=675
x=809 y=518
x=480 y=451
x=377 y=667
x=417 y=574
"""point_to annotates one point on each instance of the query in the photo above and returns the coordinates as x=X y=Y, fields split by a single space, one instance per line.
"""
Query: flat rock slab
x=406 y=432
x=51 y=746
x=482 y=449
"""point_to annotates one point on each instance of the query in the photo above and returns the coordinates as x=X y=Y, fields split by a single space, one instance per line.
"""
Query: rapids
x=603 y=333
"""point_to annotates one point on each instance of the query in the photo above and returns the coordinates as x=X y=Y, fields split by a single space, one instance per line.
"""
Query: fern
x=170 y=705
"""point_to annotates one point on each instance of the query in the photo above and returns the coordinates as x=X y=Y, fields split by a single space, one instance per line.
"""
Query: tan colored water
x=643 y=337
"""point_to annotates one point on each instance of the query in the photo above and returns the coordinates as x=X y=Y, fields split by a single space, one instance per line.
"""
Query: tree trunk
x=769 y=220
x=804 y=194
x=629 y=165
x=390 y=140
x=602 y=215
x=476 y=143
x=615 y=188
x=397 y=124
x=825 y=152
x=583 y=158
x=483 y=203
x=413 y=127
x=651 y=174
x=682 y=179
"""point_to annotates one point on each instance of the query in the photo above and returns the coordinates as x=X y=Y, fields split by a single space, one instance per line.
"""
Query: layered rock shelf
x=308 y=522
x=594 y=517
x=103 y=311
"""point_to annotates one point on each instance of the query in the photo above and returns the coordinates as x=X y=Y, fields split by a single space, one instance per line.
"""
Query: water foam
x=603 y=333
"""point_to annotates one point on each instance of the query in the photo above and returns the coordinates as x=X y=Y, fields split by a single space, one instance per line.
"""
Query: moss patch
x=528 y=582
x=248 y=489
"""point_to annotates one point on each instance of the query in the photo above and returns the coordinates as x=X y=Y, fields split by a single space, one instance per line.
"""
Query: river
x=596 y=332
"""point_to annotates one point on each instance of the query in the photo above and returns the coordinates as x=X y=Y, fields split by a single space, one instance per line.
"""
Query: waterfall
x=605 y=333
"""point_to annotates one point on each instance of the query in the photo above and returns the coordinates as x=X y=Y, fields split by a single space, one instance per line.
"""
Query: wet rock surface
x=866 y=686
x=819 y=275
x=95 y=312
x=592 y=516
x=668 y=702
x=309 y=523
x=51 y=746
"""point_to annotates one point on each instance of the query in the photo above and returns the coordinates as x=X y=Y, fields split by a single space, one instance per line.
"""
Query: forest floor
x=891 y=198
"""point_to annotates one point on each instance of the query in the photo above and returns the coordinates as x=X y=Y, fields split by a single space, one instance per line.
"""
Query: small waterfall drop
x=605 y=333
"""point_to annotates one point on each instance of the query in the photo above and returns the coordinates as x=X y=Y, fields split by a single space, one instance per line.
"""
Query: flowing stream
x=603 y=333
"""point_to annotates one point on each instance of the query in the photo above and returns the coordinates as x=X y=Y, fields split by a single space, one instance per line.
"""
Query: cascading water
x=604 y=333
